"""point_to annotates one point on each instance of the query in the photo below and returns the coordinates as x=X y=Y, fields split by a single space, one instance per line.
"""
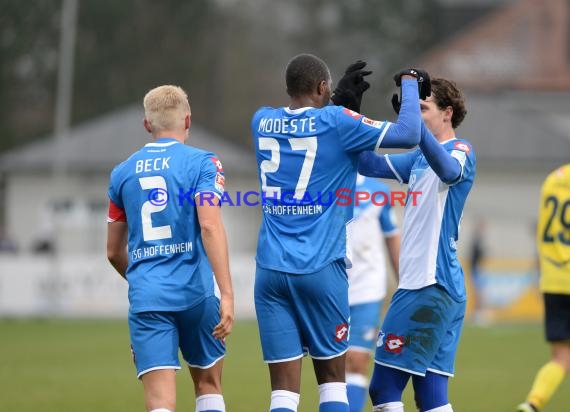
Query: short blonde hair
x=165 y=108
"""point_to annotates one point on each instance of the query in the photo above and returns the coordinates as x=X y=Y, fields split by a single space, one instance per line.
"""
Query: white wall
x=87 y=286
x=83 y=230
x=507 y=201
x=86 y=283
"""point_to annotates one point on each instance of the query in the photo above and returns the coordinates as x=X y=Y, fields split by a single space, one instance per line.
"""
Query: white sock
x=284 y=399
x=389 y=407
x=161 y=410
x=444 y=408
x=333 y=392
x=210 y=402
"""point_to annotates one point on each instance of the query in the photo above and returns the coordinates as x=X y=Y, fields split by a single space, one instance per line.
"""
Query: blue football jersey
x=158 y=188
x=307 y=160
x=431 y=219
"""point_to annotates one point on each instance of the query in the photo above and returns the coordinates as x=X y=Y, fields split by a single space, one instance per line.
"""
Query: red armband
x=115 y=214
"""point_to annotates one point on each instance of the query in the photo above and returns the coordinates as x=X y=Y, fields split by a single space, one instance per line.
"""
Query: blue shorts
x=421 y=331
x=157 y=336
x=300 y=314
x=364 y=325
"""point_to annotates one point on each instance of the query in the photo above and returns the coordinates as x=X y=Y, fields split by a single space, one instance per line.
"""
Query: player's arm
x=216 y=246
x=117 y=233
x=374 y=165
x=405 y=133
x=391 y=232
x=397 y=166
x=445 y=166
x=117 y=246
x=393 y=246
x=358 y=133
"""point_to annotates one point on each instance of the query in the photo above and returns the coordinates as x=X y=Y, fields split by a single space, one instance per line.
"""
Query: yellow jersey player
x=553 y=242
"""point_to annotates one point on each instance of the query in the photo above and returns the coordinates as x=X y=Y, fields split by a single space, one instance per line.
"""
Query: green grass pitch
x=85 y=365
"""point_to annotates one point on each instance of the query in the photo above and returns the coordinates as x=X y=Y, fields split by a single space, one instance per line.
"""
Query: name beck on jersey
x=152 y=165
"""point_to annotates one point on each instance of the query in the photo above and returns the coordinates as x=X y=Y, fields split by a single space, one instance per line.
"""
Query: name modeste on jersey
x=301 y=154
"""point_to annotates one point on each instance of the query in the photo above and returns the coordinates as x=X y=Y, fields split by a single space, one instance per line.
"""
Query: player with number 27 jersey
x=168 y=268
x=306 y=158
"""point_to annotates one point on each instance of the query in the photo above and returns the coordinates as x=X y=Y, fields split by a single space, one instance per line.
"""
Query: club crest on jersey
x=219 y=167
x=394 y=343
x=341 y=332
x=352 y=114
x=462 y=146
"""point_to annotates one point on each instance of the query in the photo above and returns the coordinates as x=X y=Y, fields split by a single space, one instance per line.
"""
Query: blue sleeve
x=114 y=192
x=463 y=152
x=212 y=179
x=374 y=165
x=356 y=132
x=395 y=166
x=405 y=133
x=447 y=167
x=388 y=220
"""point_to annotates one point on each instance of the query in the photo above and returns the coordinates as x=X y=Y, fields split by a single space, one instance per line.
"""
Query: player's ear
x=147 y=125
x=448 y=114
x=187 y=121
x=322 y=87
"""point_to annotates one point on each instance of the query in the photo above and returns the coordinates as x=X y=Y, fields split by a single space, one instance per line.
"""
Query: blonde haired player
x=553 y=242
x=175 y=250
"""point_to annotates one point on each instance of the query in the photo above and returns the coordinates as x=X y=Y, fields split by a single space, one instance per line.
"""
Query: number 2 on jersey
x=309 y=144
x=151 y=232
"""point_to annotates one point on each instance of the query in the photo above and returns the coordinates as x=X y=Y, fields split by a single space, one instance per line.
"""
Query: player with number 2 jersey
x=164 y=205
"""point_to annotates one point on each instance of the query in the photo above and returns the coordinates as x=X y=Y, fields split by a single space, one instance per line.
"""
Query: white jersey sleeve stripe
x=379 y=142
x=393 y=169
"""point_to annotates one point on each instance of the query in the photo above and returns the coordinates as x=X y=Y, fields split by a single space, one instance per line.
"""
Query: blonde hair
x=165 y=108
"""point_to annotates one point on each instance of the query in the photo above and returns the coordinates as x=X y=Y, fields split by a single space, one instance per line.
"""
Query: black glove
x=396 y=103
x=424 y=85
x=351 y=87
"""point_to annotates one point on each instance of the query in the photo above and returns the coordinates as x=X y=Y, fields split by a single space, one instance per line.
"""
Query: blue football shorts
x=300 y=314
x=364 y=325
x=421 y=331
x=157 y=336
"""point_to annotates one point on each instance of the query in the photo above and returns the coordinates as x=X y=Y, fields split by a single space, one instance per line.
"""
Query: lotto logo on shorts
x=394 y=343
x=341 y=332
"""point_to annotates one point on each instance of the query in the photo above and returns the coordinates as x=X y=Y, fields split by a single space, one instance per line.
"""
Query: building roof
x=522 y=45
x=519 y=129
x=99 y=144
x=514 y=68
